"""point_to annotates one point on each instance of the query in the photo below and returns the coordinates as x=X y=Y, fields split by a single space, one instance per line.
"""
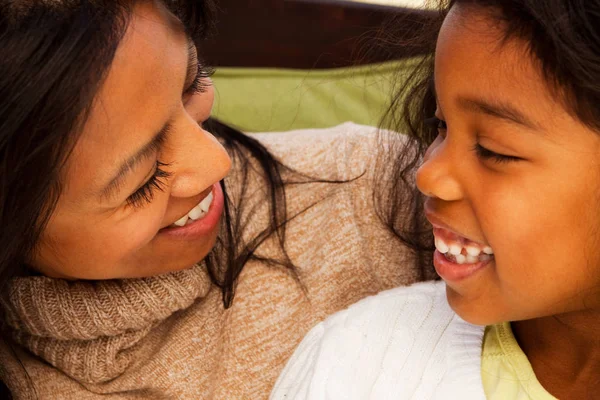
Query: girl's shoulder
x=396 y=344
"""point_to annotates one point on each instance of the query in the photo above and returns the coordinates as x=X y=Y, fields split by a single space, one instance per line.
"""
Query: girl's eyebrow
x=498 y=109
x=128 y=165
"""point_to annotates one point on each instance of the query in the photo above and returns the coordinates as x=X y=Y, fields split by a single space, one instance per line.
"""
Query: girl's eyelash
x=486 y=154
x=201 y=82
x=481 y=151
x=145 y=194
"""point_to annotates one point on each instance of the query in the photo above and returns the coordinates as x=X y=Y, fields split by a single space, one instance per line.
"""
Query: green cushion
x=264 y=99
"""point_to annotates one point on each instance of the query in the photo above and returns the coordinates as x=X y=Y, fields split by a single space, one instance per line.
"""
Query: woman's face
x=142 y=163
x=511 y=173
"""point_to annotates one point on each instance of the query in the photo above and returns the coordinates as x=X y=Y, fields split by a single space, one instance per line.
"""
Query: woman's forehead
x=141 y=91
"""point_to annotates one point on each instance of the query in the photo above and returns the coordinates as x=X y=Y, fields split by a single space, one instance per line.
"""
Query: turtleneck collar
x=89 y=329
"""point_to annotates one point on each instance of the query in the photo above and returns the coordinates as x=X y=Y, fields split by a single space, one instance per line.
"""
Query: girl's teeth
x=472 y=259
x=473 y=251
x=458 y=254
x=441 y=246
x=455 y=249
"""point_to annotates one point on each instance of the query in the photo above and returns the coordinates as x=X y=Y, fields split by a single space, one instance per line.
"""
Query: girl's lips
x=206 y=225
x=453 y=272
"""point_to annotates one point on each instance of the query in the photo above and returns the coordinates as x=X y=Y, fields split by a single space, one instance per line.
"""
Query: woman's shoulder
x=346 y=132
x=346 y=149
x=392 y=345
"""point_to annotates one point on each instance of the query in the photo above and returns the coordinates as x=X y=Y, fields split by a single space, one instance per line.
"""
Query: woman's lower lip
x=452 y=272
x=205 y=226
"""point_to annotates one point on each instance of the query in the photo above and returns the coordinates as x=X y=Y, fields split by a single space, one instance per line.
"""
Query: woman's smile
x=202 y=221
x=160 y=169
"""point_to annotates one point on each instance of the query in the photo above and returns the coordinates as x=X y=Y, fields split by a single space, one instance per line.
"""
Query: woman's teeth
x=197 y=212
x=461 y=254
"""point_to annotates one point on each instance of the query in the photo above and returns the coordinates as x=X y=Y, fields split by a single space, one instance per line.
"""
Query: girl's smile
x=456 y=257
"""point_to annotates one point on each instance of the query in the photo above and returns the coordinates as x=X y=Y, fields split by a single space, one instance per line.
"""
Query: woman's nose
x=199 y=161
x=437 y=175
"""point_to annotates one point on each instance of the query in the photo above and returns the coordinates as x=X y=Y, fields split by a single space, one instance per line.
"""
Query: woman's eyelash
x=201 y=82
x=145 y=194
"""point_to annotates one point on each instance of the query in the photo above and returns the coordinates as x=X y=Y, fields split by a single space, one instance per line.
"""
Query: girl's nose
x=437 y=175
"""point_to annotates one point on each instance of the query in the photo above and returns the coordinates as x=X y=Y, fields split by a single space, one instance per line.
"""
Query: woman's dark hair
x=55 y=57
x=562 y=36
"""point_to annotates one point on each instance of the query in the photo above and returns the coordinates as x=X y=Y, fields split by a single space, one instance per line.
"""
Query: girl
x=510 y=183
x=122 y=246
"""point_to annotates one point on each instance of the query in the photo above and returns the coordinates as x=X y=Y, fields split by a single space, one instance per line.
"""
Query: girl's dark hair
x=562 y=36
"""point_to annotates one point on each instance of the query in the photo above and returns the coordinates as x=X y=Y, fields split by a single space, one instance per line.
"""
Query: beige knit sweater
x=169 y=337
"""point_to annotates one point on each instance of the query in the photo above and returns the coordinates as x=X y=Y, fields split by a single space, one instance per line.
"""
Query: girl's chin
x=471 y=308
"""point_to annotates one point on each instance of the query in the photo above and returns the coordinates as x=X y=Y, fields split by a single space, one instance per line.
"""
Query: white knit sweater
x=405 y=343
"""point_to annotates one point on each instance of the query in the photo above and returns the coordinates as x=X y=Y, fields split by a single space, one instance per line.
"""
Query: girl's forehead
x=481 y=78
x=473 y=61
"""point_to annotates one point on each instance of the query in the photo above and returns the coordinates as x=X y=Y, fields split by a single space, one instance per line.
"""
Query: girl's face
x=511 y=173
x=142 y=163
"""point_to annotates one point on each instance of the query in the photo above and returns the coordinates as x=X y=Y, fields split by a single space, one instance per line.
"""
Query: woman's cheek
x=137 y=231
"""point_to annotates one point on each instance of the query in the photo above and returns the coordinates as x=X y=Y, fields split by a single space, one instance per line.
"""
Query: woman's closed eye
x=145 y=194
x=201 y=81
x=482 y=152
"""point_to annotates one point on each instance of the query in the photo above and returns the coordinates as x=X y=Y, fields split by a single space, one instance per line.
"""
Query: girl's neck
x=564 y=351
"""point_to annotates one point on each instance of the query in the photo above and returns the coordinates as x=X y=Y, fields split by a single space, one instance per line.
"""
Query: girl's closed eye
x=486 y=154
x=145 y=194
x=482 y=152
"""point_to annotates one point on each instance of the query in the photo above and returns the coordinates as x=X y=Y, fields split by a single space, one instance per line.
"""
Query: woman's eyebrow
x=128 y=165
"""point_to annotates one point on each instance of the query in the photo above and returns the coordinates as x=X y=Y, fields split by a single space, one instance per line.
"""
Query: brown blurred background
x=311 y=34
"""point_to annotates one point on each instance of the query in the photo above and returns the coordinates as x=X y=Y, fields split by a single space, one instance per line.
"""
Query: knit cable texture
x=62 y=321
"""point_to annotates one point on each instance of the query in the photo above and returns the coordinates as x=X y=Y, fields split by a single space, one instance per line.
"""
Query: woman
x=122 y=244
